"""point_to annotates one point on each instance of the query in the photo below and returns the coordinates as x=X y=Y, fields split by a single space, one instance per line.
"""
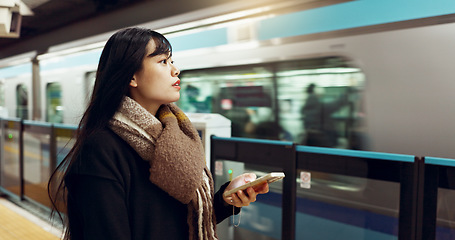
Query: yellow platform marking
x=15 y=151
x=16 y=227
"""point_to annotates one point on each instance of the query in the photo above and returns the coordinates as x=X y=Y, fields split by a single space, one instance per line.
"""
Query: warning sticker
x=219 y=168
x=305 y=179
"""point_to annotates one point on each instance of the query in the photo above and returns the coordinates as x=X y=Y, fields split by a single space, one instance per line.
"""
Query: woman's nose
x=175 y=71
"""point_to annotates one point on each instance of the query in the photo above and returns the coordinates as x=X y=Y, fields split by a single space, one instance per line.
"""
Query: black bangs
x=162 y=45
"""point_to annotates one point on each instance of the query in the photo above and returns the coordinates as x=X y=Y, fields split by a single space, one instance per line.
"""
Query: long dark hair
x=122 y=56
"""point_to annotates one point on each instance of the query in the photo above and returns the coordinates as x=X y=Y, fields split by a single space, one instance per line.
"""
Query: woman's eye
x=164 y=61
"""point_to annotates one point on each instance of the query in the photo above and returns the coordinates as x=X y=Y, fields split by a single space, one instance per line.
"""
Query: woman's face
x=157 y=81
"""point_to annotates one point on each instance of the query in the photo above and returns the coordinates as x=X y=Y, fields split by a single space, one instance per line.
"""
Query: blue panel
x=253 y=140
x=65 y=126
x=9 y=72
x=334 y=216
x=356 y=153
x=440 y=161
x=36 y=123
x=209 y=38
x=312 y=228
x=351 y=15
x=318 y=220
x=347 y=15
x=444 y=233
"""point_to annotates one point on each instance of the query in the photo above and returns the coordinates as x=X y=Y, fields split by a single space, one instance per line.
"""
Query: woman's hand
x=247 y=196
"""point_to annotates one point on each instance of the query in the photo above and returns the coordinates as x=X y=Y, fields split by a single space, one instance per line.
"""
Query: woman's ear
x=133 y=82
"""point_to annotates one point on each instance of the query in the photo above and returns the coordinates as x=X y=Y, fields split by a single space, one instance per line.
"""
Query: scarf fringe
x=200 y=213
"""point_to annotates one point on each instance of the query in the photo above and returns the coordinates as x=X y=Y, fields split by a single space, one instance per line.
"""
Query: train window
x=319 y=101
x=54 y=107
x=22 y=101
x=243 y=94
x=273 y=100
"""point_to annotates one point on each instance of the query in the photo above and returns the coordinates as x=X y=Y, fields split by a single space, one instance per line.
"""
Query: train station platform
x=327 y=193
x=17 y=223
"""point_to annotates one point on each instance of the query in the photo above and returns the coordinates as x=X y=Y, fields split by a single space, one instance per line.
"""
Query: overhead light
x=68 y=51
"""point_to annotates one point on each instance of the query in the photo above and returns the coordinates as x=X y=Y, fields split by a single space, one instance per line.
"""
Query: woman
x=137 y=169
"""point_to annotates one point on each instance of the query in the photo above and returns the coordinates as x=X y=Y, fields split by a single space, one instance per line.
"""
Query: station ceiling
x=59 y=21
x=53 y=14
x=56 y=22
x=50 y=15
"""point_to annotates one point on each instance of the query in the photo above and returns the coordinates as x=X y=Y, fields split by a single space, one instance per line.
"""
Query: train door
x=273 y=100
x=22 y=101
x=54 y=108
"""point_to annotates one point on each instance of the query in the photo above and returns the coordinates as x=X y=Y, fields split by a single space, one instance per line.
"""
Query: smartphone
x=269 y=178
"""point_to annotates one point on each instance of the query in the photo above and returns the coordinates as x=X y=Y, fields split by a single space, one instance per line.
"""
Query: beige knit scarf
x=173 y=148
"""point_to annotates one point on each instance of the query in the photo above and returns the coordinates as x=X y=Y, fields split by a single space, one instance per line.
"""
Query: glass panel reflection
x=10 y=168
x=261 y=219
x=64 y=145
x=65 y=139
x=445 y=222
x=36 y=166
x=332 y=206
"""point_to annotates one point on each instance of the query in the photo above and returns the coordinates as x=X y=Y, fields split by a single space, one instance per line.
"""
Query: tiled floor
x=17 y=224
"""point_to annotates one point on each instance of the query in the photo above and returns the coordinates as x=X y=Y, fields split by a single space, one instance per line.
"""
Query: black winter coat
x=110 y=196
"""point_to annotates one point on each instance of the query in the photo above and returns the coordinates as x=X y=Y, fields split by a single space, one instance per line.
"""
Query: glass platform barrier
x=30 y=152
x=64 y=136
x=356 y=195
x=327 y=193
x=10 y=160
x=272 y=215
x=38 y=150
x=438 y=198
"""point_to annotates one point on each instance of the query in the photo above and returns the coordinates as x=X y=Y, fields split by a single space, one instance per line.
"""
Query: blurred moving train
x=378 y=79
x=392 y=72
